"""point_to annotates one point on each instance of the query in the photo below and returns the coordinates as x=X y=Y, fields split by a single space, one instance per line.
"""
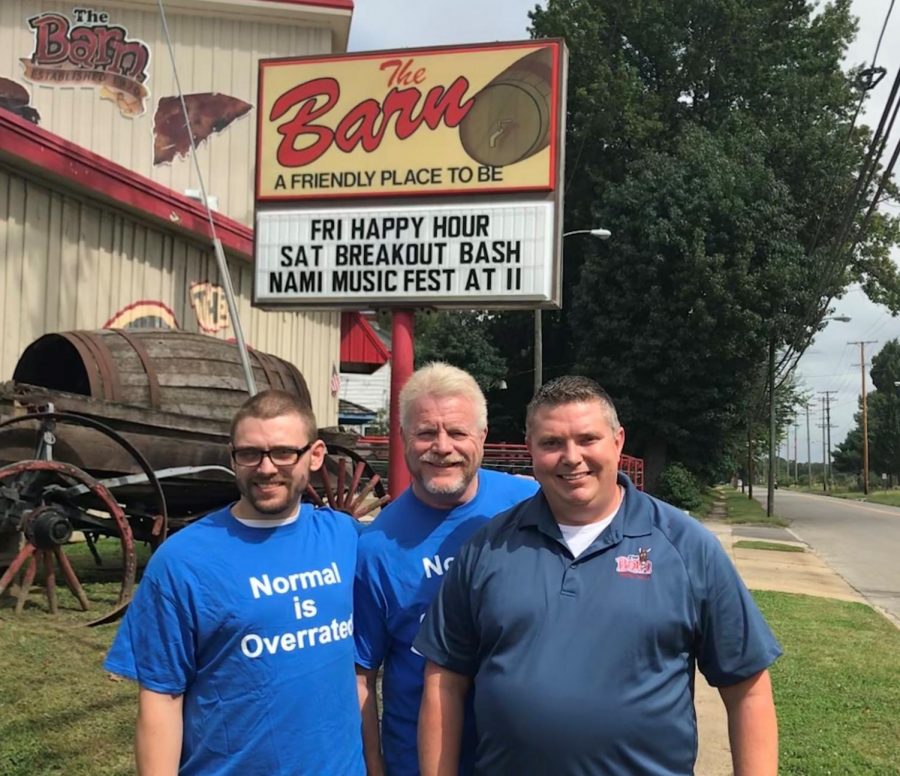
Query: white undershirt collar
x=266 y=522
x=579 y=537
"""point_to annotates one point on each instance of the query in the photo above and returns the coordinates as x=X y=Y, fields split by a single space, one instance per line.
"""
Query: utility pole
x=826 y=435
x=787 y=454
x=808 y=448
x=824 y=465
x=865 y=410
x=796 y=462
x=770 y=490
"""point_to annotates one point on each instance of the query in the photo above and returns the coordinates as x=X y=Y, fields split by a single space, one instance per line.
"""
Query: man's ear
x=317 y=455
x=620 y=439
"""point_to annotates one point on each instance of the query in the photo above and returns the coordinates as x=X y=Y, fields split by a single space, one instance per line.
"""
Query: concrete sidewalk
x=785 y=572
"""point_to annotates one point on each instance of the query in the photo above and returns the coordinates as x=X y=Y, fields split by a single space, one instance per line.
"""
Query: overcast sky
x=830 y=364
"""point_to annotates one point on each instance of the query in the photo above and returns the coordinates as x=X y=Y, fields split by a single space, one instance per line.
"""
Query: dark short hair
x=266 y=405
x=568 y=390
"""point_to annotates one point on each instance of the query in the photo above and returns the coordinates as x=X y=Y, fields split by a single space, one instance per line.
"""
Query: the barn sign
x=413 y=178
x=462 y=120
x=88 y=50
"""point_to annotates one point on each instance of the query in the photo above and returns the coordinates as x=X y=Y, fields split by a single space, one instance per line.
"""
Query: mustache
x=440 y=459
x=275 y=480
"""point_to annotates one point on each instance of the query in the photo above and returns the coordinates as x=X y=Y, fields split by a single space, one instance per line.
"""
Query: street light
x=600 y=234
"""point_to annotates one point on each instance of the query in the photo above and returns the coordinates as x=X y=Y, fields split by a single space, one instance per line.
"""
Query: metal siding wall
x=372 y=391
x=71 y=264
x=213 y=55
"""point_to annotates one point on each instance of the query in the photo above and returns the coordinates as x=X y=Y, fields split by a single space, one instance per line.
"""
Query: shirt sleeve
x=449 y=635
x=155 y=642
x=370 y=632
x=734 y=640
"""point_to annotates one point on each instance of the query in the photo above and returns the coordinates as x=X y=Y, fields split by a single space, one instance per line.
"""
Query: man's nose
x=442 y=443
x=571 y=453
x=266 y=466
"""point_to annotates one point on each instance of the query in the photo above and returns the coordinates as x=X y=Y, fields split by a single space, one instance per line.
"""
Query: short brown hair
x=568 y=390
x=273 y=404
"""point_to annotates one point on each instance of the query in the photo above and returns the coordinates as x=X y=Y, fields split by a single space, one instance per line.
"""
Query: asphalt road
x=861 y=541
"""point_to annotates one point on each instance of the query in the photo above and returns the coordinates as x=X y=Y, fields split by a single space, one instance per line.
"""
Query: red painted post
x=402 y=358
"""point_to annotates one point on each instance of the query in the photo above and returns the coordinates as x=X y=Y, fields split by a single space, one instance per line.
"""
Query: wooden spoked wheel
x=34 y=494
x=348 y=483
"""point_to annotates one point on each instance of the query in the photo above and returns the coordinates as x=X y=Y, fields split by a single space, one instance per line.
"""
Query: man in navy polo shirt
x=405 y=553
x=579 y=616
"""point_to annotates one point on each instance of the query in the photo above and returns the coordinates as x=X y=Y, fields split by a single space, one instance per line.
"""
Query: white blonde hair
x=442 y=380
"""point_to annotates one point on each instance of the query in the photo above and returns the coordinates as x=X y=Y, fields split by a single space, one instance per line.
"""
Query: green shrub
x=679 y=487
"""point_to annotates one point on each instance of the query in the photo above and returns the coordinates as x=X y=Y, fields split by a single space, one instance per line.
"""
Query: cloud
x=385 y=24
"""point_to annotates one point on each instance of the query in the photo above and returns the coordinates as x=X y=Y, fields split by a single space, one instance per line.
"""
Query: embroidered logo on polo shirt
x=637 y=566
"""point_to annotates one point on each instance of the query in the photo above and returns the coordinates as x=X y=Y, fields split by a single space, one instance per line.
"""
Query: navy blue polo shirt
x=586 y=666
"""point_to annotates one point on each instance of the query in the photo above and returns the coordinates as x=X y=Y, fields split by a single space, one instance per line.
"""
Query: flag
x=335 y=381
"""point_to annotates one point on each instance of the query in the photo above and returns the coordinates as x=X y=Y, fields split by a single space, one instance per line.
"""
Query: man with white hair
x=404 y=554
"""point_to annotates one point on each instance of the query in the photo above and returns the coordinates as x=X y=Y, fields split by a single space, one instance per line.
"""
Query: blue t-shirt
x=586 y=665
x=254 y=627
x=403 y=556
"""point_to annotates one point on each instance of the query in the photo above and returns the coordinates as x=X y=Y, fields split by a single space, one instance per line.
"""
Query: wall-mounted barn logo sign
x=210 y=307
x=461 y=120
x=88 y=51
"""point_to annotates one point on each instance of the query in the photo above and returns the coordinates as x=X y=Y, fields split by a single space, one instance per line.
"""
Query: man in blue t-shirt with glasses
x=240 y=636
x=405 y=553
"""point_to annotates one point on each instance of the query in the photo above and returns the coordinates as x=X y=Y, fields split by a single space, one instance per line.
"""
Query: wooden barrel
x=510 y=119
x=170 y=371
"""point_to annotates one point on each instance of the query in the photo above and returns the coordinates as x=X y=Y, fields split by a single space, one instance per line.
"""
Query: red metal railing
x=503 y=456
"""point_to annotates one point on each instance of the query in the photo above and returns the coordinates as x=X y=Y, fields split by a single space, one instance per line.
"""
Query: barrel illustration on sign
x=510 y=119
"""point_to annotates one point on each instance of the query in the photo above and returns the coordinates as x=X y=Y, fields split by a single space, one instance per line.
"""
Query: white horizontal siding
x=68 y=263
x=371 y=391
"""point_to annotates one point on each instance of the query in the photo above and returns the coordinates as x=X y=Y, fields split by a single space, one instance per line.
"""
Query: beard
x=441 y=484
x=269 y=504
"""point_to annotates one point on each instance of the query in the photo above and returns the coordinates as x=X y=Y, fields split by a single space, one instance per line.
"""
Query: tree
x=847 y=456
x=883 y=406
x=707 y=244
x=714 y=139
x=460 y=339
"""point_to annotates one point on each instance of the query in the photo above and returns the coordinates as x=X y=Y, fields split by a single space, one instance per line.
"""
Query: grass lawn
x=837 y=686
x=743 y=510
x=837 y=689
x=708 y=499
x=754 y=544
x=59 y=712
x=888 y=497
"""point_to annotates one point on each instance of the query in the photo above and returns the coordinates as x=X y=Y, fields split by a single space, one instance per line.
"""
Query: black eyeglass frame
x=299 y=452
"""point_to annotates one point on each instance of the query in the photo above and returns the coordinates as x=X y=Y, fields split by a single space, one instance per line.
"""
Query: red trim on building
x=50 y=156
x=360 y=345
x=342 y=5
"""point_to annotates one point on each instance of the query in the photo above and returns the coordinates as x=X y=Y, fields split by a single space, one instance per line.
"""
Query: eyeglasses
x=279 y=456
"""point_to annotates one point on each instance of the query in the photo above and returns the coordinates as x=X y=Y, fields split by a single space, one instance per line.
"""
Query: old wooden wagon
x=111 y=439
